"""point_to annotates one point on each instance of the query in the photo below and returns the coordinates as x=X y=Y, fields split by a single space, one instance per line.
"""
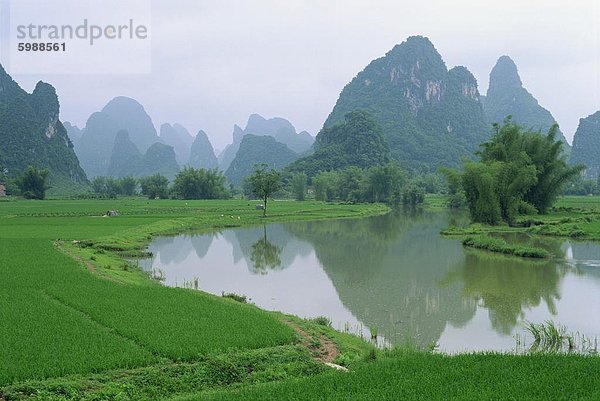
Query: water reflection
x=264 y=255
x=395 y=272
x=507 y=286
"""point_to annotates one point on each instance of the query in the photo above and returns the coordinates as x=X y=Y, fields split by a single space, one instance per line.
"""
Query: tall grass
x=58 y=318
x=425 y=376
x=498 y=245
x=551 y=337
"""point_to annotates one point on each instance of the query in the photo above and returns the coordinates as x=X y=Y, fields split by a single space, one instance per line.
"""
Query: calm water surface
x=395 y=273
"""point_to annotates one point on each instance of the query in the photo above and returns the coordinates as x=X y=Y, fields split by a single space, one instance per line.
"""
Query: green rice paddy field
x=77 y=322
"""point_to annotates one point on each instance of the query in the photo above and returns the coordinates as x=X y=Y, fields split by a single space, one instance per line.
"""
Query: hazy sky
x=216 y=62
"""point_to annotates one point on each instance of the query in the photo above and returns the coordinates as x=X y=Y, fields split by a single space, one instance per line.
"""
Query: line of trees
x=387 y=183
x=582 y=186
x=32 y=183
x=190 y=183
x=519 y=172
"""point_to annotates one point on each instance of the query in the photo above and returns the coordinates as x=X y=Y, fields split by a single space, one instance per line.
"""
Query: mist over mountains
x=416 y=111
x=32 y=135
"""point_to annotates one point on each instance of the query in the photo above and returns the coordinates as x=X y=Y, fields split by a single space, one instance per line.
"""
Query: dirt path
x=89 y=265
x=322 y=348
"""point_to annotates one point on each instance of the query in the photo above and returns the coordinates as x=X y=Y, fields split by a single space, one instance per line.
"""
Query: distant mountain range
x=32 y=135
x=405 y=106
x=257 y=149
x=126 y=159
x=202 y=154
x=586 y=145
x=97 y=140
x=121 y=140
x=506 y=96
x=279 y=128
x=431 y=116
x=180 y=139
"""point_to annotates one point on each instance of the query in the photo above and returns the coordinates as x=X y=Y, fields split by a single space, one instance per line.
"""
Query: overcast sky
x=215 y=62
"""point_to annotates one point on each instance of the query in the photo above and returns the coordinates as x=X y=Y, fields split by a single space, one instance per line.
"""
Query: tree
x=350 y=184
x=191 y=183
x=128 y=186
x=326 y=185
x=511 y=143
x=99 y=185
x=113 y=187
x=413 y=195
x=358 y=141
x=33 y=183
x=479 y=184
x=264 y=183
x=264 y=254
x=520 y=172
x=155 y=186
x=384 y=183
x=298 y=184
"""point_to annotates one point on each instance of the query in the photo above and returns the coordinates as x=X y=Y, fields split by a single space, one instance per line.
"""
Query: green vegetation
x=520 y=172
x=159 y=381
x=550 y=337
x=359 y=141
x=298 y=184
x=255 y=150
x=264 y=183
x=86 y=310
x=125 y=337
x=586 y=145
x=33 y=183
x=421 y=376
x=32 y=135
x=499 y=245
x=155 y=186
x=193 y=183
x=572 y=217
x=430 y=116
x=385 y=183
x=506 y=96
x=280 y=129
x=109 y=187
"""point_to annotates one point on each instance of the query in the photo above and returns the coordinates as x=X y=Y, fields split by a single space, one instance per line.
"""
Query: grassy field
x=60 y=317
x=419 y=376
x=80 y=323
x=575 y=217
x=498 y=245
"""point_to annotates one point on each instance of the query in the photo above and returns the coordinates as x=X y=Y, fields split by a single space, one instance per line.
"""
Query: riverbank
x=64 y=273
x=574 y=217
x=123 y=336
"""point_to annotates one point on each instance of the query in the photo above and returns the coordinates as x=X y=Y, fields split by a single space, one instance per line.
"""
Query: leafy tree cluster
x=386 y=183
x=581 y=186
x=190 y=183
x=520 y=171
x=155 y=186
x=6 y=180
x=201 y=183
x=33 y=183
x=110 y=187
x=358 y=141
x=298 y=185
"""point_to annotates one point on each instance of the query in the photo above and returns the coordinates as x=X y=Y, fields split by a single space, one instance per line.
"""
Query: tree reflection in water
x=265 y=255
